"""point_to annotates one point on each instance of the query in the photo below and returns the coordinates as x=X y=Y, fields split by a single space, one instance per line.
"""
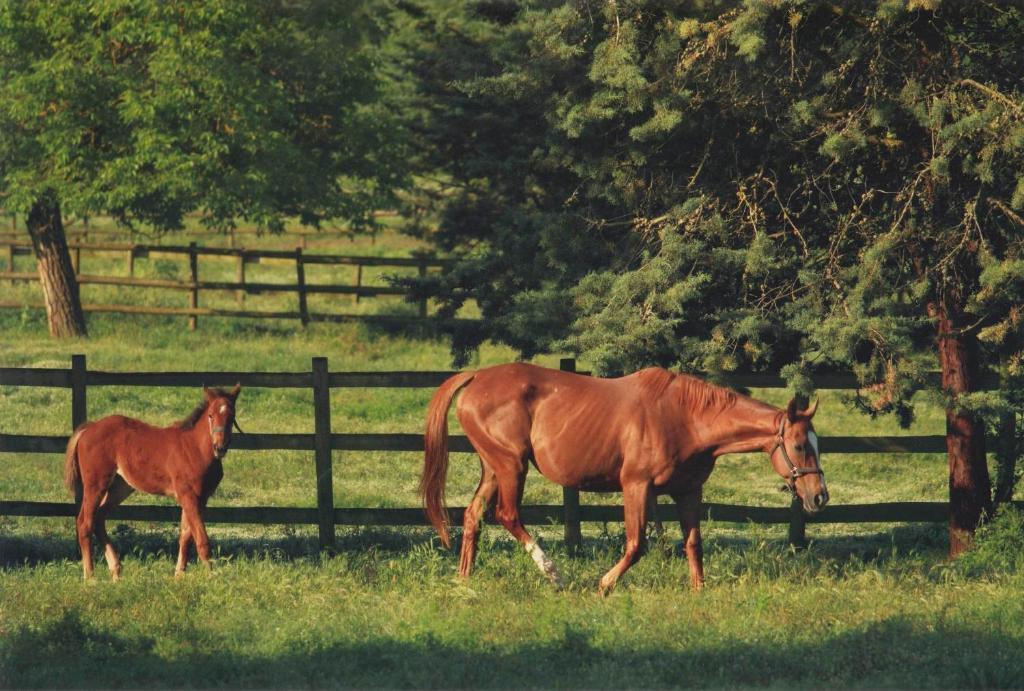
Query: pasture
x=868 y=605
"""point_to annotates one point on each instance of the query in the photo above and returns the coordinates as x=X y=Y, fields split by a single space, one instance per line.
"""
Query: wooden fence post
x=76 y=260
x=129 y=261
x=10 y=260
x=359 y=281
x=193 y=295
x=79 y=409
x=322 y=445
x=797 y=523
x=570 y=496
x=300 y=276
x=239 y=273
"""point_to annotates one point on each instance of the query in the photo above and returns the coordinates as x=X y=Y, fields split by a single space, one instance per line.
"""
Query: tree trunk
x=970 y=491
x=56 y=274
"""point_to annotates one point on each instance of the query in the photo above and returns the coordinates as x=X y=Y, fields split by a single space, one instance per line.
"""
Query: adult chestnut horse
x=652 y=432
x=108 y=459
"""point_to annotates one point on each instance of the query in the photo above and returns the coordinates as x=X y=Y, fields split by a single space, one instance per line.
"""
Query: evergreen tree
x=777 y=185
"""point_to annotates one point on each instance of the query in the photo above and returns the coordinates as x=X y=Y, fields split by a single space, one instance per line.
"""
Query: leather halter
x=795 y=472
x=214 y=429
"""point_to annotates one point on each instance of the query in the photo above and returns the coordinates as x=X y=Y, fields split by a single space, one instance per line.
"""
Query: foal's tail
x=435 y=459
x=72 y=476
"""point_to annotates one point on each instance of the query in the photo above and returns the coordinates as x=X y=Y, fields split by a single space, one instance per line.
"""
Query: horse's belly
x=149 y=480
x=592 y=471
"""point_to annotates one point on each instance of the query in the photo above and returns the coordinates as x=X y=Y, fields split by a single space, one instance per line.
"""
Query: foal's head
x=220 y=417
x=795 y=456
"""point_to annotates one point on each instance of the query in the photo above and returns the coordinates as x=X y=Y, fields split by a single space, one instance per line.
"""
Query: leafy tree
x=778 y=185
x=146 y=110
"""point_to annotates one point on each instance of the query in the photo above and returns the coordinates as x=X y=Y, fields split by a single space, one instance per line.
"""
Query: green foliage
x=846 y=200
x=998 y=546
x=147 y=110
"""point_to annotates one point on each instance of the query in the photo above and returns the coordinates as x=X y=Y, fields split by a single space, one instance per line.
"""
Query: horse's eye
x=799 y=447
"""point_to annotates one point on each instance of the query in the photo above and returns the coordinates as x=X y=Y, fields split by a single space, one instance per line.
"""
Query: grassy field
x=873 y=605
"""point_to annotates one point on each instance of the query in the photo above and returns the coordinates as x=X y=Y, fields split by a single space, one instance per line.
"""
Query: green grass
x=866 y=605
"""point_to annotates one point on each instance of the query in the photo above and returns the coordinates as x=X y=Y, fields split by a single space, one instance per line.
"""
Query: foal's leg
x=483 y=498
x=118 y=491
x=184 y=540
x=688 y=508
x=190 y=512
x=84 y=526
x=634 y=500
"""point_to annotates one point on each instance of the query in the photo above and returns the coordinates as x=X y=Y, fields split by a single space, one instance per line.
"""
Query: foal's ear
x=233 y=394
x=207 y=394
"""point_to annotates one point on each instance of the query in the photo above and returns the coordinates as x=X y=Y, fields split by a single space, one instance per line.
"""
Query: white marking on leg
x=546 y=566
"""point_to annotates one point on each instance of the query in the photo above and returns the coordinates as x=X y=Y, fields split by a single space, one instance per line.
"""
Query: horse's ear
x=238 y=387
x=207 y=394
x=811 y=410
x=792 y=410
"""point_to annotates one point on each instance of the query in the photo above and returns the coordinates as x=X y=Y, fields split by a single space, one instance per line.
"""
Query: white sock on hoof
x=546 y=566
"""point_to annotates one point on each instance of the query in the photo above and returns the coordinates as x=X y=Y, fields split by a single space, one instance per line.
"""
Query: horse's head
x=220 y=417
x=795 y=457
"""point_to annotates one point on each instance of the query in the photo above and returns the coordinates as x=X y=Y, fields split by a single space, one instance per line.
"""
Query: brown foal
x=108 y=459
x=650 y=433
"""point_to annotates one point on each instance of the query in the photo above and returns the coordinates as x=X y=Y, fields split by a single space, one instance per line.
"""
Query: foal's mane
x=190 y=420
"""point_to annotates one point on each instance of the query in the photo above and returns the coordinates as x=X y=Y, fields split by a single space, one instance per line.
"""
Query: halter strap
x=795 y=472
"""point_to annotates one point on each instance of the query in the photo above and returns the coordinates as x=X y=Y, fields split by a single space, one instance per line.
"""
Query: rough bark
x=56 y=274
x=970 y=490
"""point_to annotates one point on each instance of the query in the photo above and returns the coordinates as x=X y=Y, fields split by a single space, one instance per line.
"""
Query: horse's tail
x=72 y=475
x=435 y=458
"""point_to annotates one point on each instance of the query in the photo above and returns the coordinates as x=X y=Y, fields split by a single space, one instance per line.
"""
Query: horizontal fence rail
x=323 y=441
x=240 y=286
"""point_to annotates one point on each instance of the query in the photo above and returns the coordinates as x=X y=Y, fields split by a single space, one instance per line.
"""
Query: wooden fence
x=323 y=441
x=241 y=287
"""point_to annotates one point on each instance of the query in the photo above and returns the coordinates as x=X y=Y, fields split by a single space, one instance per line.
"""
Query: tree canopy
x=147 y=110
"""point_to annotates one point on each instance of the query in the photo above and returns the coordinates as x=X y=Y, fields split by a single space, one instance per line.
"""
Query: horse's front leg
x=184 y=540
x=688 y=508
x=634 y=499
x=191 y=513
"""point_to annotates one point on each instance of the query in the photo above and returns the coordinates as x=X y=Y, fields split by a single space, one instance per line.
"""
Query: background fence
x=241 y=287
x=571 y=513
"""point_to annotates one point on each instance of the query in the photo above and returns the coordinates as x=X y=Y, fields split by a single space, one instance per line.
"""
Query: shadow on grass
x=877 y=548
x=72 y=652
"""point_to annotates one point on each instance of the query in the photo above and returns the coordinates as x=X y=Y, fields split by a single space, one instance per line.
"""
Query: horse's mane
x=700 y=395
x=190 y=420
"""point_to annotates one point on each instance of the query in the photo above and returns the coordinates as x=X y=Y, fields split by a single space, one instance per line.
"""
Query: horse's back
x=576 y=428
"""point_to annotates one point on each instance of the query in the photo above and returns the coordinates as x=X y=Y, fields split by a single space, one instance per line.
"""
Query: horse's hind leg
x=634 y=500
x=511 y=481
x=118 y=491
x=483 y=498
x=84 y=526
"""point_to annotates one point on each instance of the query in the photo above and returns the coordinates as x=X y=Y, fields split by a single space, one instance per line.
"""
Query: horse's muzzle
x=816 y=503
x=220 y=452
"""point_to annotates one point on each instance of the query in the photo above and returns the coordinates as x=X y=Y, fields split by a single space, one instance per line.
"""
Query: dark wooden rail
x=322 y=442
